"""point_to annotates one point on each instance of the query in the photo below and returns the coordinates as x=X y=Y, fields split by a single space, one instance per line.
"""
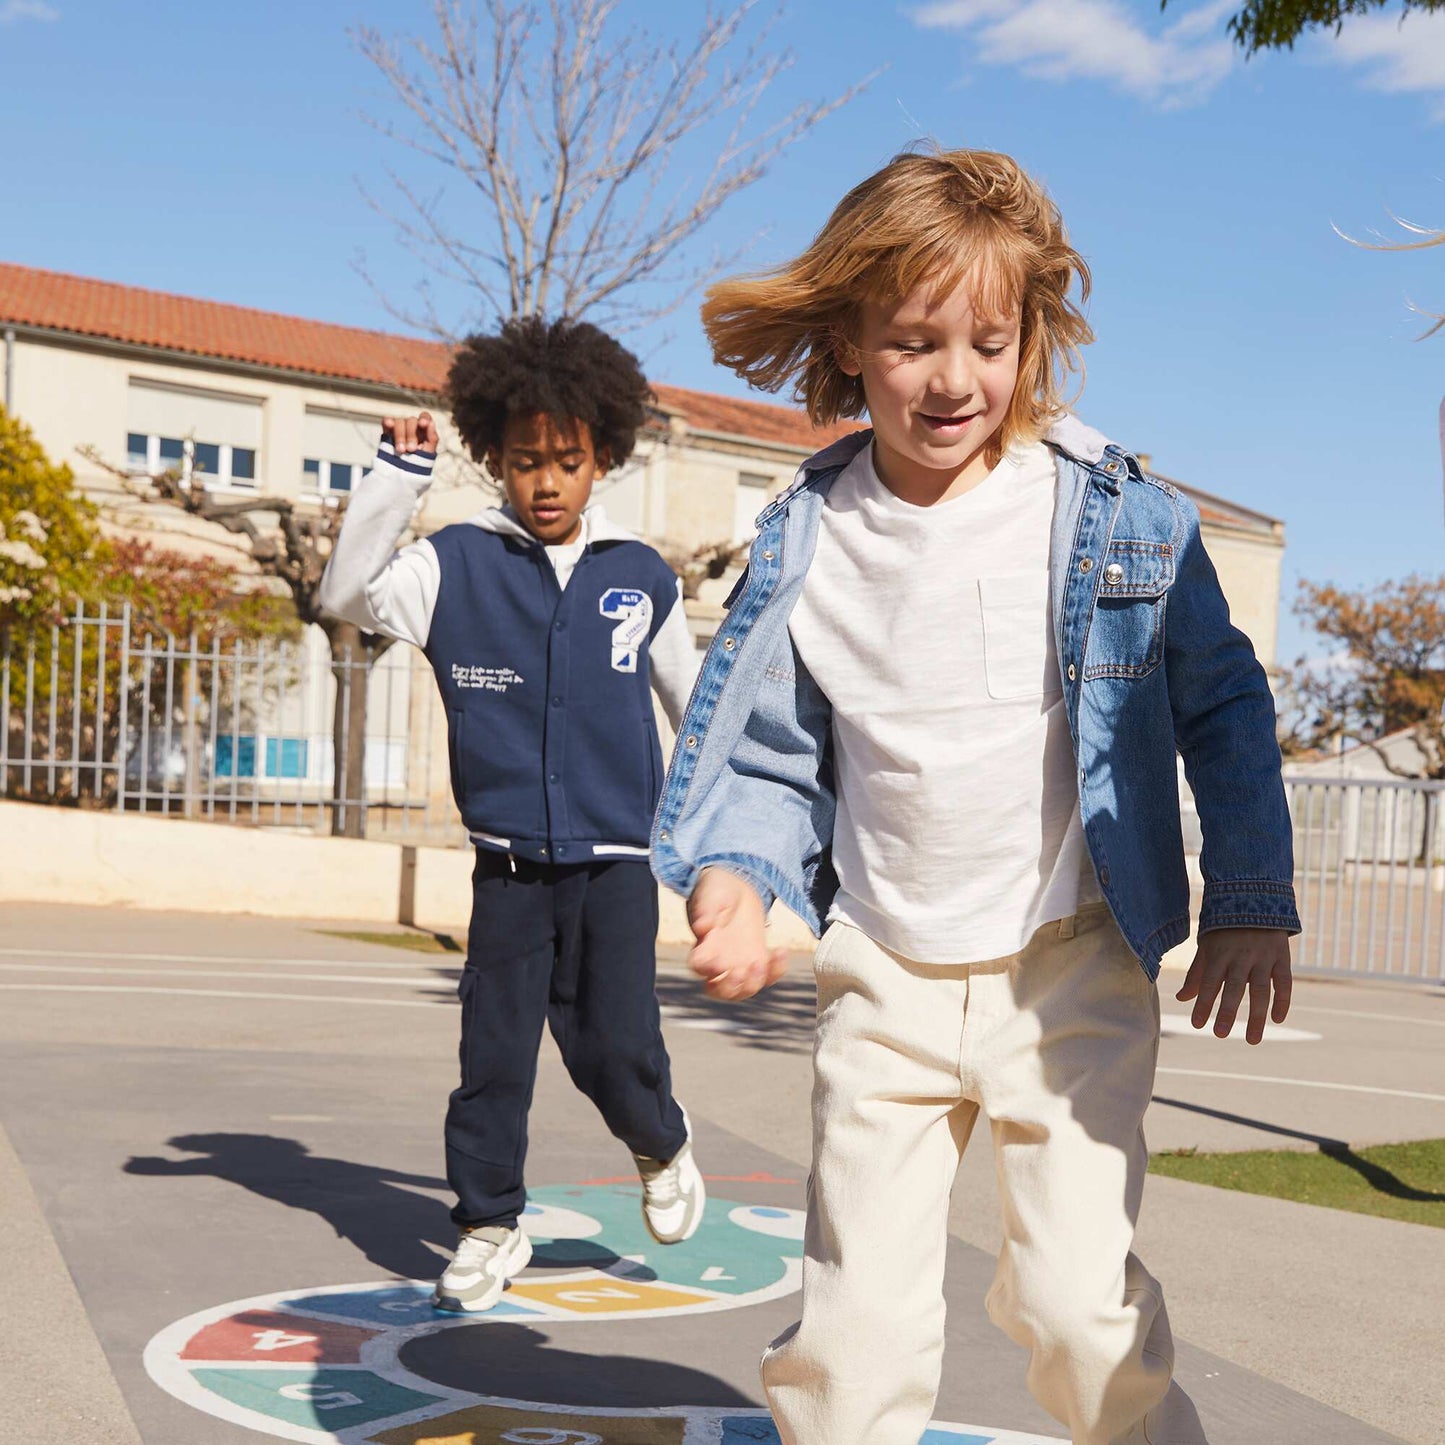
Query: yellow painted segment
x=604 y=1294
x=492 y=1425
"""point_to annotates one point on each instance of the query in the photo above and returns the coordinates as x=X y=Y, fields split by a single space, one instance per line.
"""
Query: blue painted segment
x=333 y=1400
x=737 y=1432
x=952 y=1437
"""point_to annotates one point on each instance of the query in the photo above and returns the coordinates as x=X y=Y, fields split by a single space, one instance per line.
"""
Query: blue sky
x=216 y=151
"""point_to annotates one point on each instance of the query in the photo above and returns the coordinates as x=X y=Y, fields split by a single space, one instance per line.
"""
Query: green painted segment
x=722 y=1256
x=333 y=1400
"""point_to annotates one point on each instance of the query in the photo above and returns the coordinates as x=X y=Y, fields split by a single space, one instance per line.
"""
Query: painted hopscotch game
x=327 y=1365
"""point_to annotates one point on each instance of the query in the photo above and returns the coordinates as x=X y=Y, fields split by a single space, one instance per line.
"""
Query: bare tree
x=290 y=545
x=563 y=133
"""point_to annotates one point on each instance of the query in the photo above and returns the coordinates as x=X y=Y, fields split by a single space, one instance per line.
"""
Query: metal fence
x=102 y=711
x=1370 y=876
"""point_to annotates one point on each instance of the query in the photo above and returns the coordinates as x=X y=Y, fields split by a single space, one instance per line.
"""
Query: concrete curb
x=54 y=1377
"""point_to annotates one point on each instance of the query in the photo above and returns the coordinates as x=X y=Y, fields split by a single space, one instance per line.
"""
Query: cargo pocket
x=1126 y=636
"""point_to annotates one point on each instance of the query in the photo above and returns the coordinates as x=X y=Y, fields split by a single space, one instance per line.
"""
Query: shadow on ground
x=519 y=1362
x=1380 y=1179
x=375 y=1209
x=779 y=1018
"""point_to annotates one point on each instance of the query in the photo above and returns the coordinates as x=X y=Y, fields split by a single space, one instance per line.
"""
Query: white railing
x=103 y=711
x=1370 y=876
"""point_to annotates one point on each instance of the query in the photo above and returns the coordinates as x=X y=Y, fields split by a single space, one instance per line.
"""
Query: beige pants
x=1057 y=1046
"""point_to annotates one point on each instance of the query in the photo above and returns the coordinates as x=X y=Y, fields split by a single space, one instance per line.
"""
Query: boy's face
x=547 y=470
x=938 y=375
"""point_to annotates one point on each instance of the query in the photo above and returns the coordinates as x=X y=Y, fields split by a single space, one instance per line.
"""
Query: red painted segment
x=272 y=1337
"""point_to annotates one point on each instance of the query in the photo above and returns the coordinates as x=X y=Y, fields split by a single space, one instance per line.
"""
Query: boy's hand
x=1231 y=960
x=410 y=433
x=732 y=952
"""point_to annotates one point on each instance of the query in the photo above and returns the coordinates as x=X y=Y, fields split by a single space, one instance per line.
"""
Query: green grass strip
x=1394 y=1181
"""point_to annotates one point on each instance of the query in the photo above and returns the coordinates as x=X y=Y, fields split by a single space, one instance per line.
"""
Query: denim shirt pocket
x=1126 y=637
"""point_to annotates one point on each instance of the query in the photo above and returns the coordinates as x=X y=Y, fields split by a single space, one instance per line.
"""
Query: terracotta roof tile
x=760 y=420
x=84 y=307
x=81 y=306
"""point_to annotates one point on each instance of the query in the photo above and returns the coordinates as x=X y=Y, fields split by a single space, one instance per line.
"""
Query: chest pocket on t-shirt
x=1017 y=659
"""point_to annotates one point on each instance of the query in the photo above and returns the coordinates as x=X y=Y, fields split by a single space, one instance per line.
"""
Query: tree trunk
x=349 y=659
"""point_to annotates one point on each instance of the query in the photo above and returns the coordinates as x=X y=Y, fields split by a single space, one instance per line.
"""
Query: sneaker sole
x=520 y=1258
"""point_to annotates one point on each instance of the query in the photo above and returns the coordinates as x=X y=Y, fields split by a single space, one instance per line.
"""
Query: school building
x=256 y=402
x=250 y=403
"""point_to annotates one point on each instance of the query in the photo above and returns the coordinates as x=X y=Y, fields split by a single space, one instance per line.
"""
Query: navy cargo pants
x=574 y=945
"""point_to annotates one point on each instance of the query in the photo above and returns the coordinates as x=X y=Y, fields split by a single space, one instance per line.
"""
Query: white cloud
x=1169 y=65
x=13 y=10
x=1399 y=55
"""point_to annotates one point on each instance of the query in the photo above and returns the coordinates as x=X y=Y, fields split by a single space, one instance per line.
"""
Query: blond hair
x=943 y=218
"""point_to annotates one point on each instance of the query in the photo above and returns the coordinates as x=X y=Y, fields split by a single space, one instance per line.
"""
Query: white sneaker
x=485 y=1260
x=673 y=1194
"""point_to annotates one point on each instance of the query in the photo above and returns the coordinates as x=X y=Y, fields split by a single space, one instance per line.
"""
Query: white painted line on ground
x=111 y=972
x=1298 y=1083
x=93 y=954
x=1178 y=1026
x=440 y=1000
x=1350 y=1013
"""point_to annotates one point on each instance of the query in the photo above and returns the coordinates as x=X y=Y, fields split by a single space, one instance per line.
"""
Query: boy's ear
x=603 y=455
x=846 y=355
x=492 y=459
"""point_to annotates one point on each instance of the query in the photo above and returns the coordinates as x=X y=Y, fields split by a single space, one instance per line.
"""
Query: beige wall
x=1249 y=572
x=683 y=487
x=63 y=855
x=74 y=396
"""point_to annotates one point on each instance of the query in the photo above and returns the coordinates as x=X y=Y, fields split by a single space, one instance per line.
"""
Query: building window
x=218 y=465
x=283 y=757
x=749 y=499
x=331 y=477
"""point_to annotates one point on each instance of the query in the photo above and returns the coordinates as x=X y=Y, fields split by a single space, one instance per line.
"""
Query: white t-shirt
x=929 y=631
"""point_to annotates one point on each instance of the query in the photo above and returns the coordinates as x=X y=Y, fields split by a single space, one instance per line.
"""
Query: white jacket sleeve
x=367 y=581
x=675 y=663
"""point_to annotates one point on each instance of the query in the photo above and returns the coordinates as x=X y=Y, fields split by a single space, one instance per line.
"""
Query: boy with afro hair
x=546 y=626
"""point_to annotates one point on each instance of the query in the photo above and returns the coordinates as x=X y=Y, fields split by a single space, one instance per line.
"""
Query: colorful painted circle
x=324 y=1365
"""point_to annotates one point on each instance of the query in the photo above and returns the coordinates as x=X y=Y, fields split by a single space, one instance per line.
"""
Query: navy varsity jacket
x=546 y=673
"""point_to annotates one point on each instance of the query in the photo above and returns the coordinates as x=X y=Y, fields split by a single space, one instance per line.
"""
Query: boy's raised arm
x=367 y=581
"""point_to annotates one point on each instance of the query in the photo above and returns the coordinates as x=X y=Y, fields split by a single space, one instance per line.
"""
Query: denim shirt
x=1150 y=665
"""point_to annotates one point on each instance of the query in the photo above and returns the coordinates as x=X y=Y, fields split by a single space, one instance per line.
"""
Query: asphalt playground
x=220 y=1172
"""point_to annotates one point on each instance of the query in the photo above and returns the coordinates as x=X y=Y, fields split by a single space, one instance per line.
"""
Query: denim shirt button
x=729 y=643
x=1104 y=876
x=1073 y=673
x=1113 y=574
x=692 y=742
x=767 y=556
x=1087 y=565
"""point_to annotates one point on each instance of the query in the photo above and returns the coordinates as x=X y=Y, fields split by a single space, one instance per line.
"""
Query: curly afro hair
x=561 y=368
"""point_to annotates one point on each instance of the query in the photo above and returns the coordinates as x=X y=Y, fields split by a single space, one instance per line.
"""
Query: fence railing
x=103 y=711
x=1370 y=876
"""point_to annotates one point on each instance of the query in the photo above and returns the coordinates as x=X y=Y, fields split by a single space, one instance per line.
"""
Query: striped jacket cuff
x=416 y=465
